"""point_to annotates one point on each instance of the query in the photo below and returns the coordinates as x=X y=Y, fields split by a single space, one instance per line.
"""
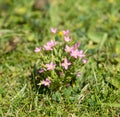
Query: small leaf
x=21 y=10
x=114 y=81
x=95 y=36
x=12 y=44
x=117 y=105
x=84 y=89
x=31 y=37
x=118 y=47
x=104 y=38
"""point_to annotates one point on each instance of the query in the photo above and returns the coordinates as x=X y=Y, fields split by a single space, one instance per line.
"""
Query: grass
x=22 y=27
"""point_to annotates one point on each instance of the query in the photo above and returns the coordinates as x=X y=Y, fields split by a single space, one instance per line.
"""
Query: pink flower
x=74 y=53
x=81 y=54
x=78 y=74
x=67 y=39
x=37 y=49
x=53 y=30
x=46 y=82
x=68 y=49
x=84 y=61
x=41 y=70
x=66 y=32
x=50 y=45
x=75 y=46
x=50 y=66
x=78 y=44
x=65 y=64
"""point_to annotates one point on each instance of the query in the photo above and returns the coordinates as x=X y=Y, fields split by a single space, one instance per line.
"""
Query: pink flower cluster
x=73 y=51
x=52 y=66
x=66 y=35
x=66 y=32
x=50 y=45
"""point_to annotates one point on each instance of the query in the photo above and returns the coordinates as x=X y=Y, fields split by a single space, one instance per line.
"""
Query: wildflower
x=84 y=61
x=81 y=54
x=60 y=33
x=78 y=44
x=53 y=30
x=74 y=53
x=67 y=39
x=68 y=49
x=75 y=46
x=50 y=66
x=65 y=64
x=66 y=32
x=78 y=74
x=37 y=49
x=46 y=82
x=50 y=45
x=41 y=70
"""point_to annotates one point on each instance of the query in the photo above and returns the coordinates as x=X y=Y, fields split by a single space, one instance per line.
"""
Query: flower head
x=60 y=33
x=67 y=38
x=50 y=66
x=50 y=45
x=66 y=32
x=65 y=64
x=46 y=82
x=81 y=54
x=76 y=45
x=68 y=49
x=84 y=61
x=53 y=30
x=78 y=74
x=41 y=70
x=37 y=49
x=74 y=53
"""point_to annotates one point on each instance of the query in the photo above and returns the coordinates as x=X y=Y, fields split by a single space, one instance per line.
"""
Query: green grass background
x=96 y=23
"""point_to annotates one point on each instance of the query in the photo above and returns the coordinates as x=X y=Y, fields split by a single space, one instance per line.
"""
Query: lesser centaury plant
x=60 y=60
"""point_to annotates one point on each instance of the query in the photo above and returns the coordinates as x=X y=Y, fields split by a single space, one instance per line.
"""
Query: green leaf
x=95 y=36
x=117 y=105
x=85 y=88
x=118 y=47
x=114 y=81
x=104 y=39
